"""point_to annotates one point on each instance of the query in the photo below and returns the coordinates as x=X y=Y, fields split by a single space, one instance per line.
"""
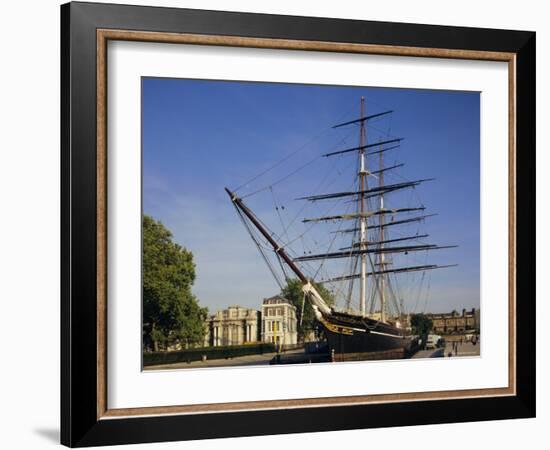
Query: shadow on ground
x=50 y=434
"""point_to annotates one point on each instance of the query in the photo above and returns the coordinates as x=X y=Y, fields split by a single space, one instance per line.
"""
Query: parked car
x=432 y=341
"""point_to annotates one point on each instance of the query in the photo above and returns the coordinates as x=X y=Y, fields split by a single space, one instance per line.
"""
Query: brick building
x=456 y=323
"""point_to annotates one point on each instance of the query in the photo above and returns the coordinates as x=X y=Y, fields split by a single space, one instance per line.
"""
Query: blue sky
x=200 y=136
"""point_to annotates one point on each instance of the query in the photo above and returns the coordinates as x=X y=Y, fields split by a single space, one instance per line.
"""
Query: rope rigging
x=384 y=281
x=259 y=246
x=281 y=161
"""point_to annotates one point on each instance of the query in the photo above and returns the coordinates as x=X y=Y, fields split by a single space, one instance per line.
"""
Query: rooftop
x=276 y=300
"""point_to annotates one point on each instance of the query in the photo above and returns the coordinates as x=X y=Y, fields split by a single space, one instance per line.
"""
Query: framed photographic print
x=276 y=224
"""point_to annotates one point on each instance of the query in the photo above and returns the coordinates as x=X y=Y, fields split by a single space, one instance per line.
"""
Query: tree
x=421 y=324
x=171 y=313
x=293 y=292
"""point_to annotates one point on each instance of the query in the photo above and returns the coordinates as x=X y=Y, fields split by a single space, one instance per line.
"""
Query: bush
x=196 y=354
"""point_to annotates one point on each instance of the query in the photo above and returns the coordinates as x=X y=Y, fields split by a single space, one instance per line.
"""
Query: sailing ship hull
x=349 y=334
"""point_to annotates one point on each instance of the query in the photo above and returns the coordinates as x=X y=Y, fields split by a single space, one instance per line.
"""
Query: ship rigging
x=369 y=253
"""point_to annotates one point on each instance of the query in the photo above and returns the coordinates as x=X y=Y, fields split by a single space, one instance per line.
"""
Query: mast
x=360 y=249
x=362 y=219
x=382 y=233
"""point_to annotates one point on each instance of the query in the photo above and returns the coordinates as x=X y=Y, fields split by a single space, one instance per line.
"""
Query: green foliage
x=293 y=292
x=421 y=324
x=171 y=313
x=196 y=354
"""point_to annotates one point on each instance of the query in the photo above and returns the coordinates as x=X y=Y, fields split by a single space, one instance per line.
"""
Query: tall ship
x=369 y=274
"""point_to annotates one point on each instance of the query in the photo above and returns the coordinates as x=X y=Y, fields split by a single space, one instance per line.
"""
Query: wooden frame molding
x=104 y=35
x=86 y=29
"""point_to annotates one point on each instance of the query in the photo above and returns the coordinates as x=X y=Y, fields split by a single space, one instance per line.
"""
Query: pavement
x=249 y=360
x=433 y=353
x=464 y=349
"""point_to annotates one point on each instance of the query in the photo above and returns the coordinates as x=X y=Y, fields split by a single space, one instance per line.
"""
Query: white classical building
x=233 y=326
x=279 y=324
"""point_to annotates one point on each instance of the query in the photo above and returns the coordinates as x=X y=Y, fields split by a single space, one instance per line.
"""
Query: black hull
x=347 y=334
